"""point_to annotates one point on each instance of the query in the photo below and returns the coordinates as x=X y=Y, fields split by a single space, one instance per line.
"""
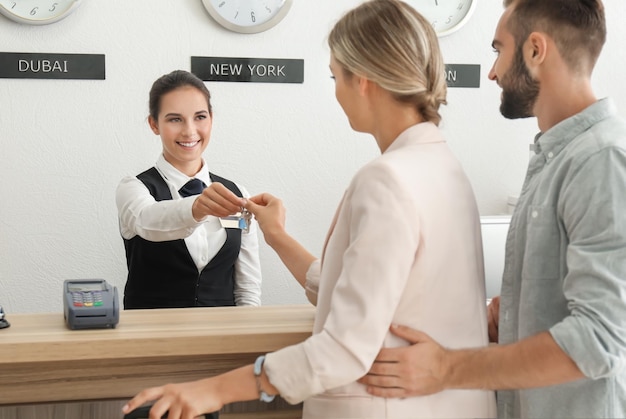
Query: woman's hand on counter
x=180 y=401
x=194 y=398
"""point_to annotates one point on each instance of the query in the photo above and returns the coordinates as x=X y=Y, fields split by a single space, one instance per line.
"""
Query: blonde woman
x=404 y=247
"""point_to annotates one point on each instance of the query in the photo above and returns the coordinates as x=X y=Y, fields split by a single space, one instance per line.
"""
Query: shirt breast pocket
x=543 y=244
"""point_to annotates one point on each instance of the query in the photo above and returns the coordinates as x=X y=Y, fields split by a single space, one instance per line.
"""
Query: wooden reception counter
x=41 y=361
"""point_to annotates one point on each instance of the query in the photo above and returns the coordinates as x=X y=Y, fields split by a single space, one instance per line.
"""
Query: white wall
x=66 y=144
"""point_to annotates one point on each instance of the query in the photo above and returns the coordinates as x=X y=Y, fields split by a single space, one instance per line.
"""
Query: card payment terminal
x=90 y=304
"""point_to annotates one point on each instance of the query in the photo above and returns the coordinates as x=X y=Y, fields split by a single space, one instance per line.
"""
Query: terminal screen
x=85 y=286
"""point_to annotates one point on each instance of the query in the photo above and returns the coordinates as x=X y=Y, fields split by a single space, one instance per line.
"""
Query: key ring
x=245 y=220
x=241 y=221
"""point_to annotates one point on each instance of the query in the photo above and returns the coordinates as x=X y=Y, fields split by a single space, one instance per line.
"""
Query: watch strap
x=258 y=367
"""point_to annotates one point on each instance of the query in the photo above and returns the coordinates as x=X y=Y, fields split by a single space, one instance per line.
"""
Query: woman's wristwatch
x=258 y=366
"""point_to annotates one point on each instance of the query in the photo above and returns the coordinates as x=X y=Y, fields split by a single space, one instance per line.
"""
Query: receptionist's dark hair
x=173 y=81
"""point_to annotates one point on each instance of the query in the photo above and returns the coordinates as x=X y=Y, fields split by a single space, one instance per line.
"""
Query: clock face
x=37 y=12
x=247 y=16
x=446 y=16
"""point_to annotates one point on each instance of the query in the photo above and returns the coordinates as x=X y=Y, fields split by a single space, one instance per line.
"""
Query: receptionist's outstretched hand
x=269 y=213
x=181 y=401
x=216 y=200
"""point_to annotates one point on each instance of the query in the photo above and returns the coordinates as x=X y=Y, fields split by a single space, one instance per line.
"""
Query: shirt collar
x=559 y=136
x=177 y=178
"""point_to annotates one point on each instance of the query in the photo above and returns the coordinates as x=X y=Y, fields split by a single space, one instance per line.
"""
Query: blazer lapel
x=331 y=228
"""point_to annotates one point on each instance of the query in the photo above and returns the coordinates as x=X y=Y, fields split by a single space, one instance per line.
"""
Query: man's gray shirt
x=565 y=265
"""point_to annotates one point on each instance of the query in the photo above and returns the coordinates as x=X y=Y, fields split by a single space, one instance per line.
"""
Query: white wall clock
x=247 y=16
x=37 y=12
x=446 y=16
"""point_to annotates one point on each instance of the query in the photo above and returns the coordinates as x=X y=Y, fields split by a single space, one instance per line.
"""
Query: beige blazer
x=405 y=248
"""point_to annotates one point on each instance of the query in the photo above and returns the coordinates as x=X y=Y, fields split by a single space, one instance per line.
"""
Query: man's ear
x=535 y=49
x=153 y=125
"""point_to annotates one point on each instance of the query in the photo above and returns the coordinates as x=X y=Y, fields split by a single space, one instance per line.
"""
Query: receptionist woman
x=404 y=245
x=178 y=254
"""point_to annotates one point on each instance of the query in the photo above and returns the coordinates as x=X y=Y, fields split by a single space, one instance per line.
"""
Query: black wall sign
x=258 y=70
x=51 y=66
x=463 y=75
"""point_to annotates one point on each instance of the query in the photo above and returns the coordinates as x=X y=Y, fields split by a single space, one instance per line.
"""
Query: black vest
x=163 y=274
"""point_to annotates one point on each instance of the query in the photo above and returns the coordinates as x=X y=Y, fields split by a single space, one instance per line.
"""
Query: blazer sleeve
x=312 y=284
x=383 y=233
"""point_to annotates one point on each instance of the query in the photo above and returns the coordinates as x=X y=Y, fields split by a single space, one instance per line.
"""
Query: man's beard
x=519 y=90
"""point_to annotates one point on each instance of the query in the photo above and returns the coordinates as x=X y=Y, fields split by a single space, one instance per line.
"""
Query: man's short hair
x=578 y=27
